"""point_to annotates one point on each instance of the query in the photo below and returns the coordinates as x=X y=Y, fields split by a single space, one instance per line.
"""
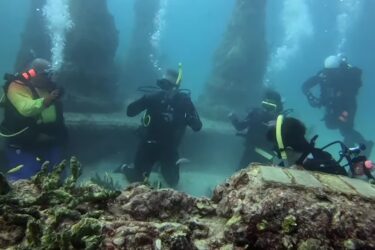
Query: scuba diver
x=257 y=148
x=169 y=110
x=33 y=125
x=292 y=147
x=339 y=84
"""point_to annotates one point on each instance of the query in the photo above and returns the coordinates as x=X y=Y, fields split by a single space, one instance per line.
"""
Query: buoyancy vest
x=21 y=131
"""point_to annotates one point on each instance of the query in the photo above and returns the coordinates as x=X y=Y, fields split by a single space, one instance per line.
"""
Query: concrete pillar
x=236 y=81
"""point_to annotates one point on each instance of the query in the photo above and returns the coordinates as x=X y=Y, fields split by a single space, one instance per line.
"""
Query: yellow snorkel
x=179 y=78
x=279 y=139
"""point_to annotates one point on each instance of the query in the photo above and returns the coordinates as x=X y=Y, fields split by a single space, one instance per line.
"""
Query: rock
x=119 y=241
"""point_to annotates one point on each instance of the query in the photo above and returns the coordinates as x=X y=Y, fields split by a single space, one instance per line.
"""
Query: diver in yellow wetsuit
x=33 y=124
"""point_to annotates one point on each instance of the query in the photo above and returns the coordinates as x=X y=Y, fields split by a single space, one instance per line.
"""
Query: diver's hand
x=53 y=96
x=313 y=101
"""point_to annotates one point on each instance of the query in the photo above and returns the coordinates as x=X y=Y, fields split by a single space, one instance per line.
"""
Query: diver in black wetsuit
x=168 y=112
x=288 y=138
x=339 y=84
x=257 y=147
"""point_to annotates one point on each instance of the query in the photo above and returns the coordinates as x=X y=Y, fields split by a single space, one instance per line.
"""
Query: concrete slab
x=275 y=174
x=362 y=187
x=304 y=178
x=334 y=183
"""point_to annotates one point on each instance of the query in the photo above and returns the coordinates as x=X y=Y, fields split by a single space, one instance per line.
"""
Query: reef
x=239 y=63
x=49 y=213
x=257 y=208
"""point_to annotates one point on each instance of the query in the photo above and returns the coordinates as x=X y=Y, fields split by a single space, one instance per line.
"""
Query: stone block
x=362 y=187
x=334 y=183
x=275 y=174
x=304 y=178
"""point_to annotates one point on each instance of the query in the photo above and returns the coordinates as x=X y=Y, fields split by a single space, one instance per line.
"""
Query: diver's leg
x=331 y=120
x=169 y=169
x=144 y=160
x=352 y=137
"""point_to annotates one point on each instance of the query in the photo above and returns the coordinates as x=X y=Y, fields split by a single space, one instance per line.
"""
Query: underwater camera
x=358 y=164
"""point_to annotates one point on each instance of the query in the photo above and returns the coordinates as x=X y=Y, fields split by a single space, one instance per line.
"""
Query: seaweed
x=106 y=182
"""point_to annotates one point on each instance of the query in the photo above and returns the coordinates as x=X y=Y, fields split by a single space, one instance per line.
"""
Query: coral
x=245 y=212
x=289 y=224
x=49 y=211
x=261 y=226
x=106 y=182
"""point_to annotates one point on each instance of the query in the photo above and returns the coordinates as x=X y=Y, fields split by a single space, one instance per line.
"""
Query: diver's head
x=272 y=101
x=335 y=61
x=39 y=73
x=291 y=137
x=169 y=80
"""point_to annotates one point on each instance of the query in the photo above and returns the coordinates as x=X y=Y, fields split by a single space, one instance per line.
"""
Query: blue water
x=13 y=15
x=193 y=30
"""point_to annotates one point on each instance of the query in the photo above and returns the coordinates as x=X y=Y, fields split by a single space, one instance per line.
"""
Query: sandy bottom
x=192 y=182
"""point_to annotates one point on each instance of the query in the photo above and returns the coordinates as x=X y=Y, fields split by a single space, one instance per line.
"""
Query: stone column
x=239 y=65
x=89 y=73
x=35 y=41
x=138 y=68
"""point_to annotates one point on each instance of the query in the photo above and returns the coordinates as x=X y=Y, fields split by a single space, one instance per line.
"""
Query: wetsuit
x=257 y=147
x=322 y=161
x=167 y=115
x=338 y=91
x=38 y=132
x=299 y=151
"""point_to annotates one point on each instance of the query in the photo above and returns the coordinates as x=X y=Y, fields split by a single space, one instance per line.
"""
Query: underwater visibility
x=187 y=124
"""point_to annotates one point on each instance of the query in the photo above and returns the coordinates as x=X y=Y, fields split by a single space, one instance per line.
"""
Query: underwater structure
x=35 y=41
x=259 y=207
x=239 y=64
x=138 y=67
x=88 y=72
